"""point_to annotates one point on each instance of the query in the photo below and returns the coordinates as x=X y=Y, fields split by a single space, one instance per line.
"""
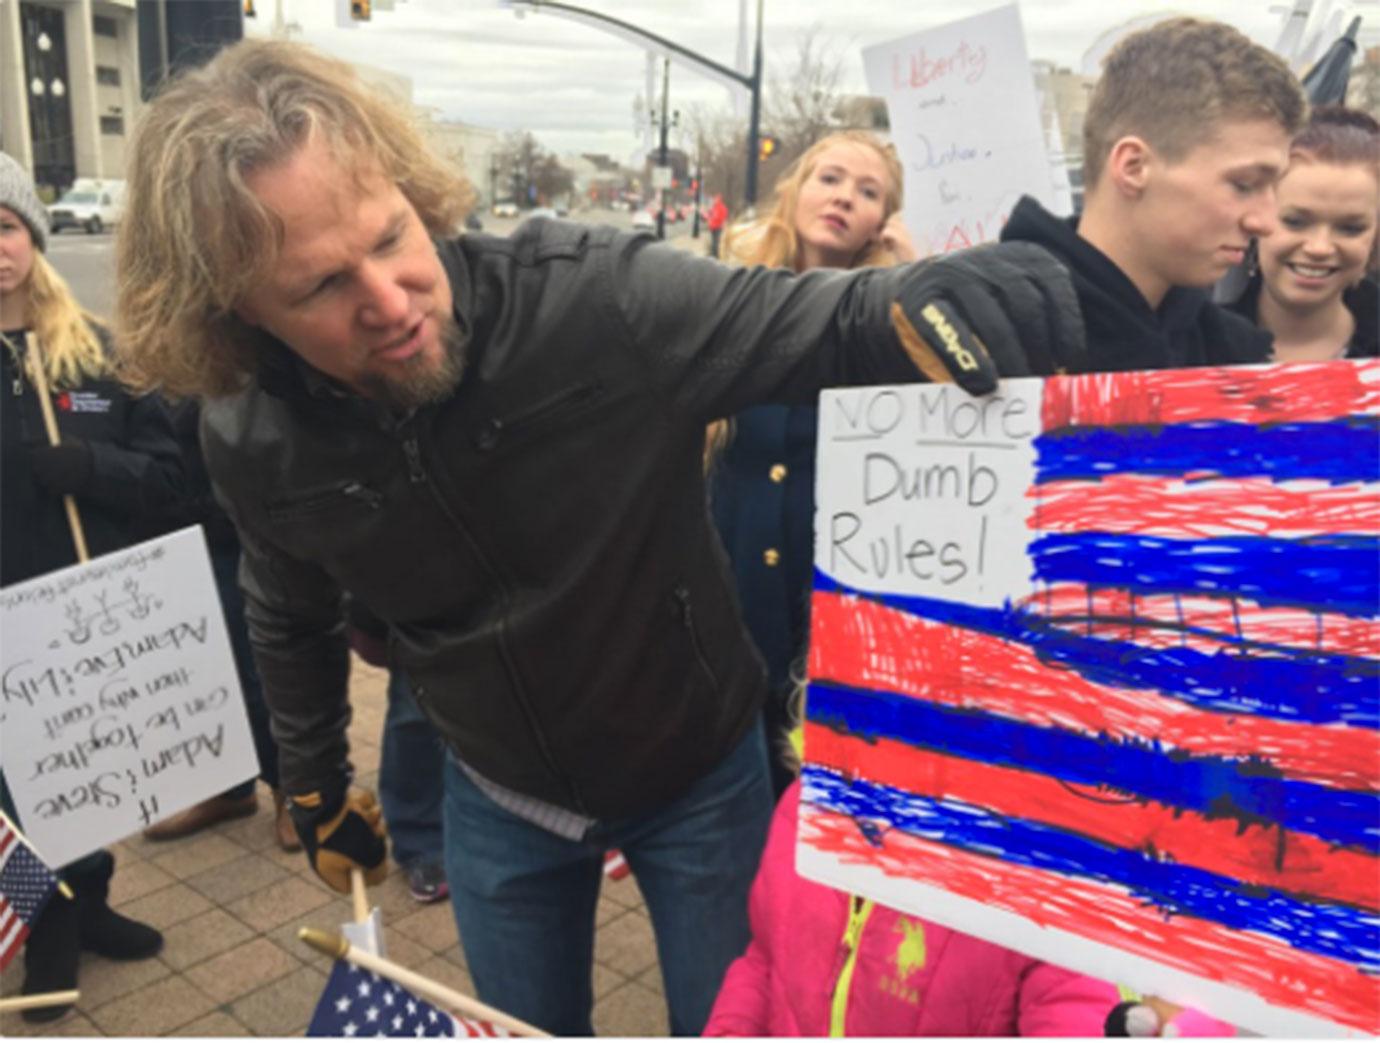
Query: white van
x=91 y=203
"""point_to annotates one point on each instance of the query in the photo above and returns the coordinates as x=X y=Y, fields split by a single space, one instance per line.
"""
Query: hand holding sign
x=1005 y=310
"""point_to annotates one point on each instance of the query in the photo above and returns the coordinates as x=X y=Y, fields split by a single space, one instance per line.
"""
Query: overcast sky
x=574 y=86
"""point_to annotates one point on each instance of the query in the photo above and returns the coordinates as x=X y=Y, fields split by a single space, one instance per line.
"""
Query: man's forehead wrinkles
x=322 y=252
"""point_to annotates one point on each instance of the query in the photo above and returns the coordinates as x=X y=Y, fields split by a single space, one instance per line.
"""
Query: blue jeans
x=524 y=898
x=410 y=780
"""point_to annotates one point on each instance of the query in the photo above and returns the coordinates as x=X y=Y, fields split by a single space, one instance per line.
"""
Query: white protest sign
x=914 y=486
x=120 y=701
x=1092 y=676
x=966 y=122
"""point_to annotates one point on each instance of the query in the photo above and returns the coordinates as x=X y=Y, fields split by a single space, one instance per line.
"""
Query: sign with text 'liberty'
x=965 y=120
x=1095 y=674
x=119 y=701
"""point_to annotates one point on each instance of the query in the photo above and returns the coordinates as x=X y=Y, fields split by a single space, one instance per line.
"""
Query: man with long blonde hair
x=495 y=445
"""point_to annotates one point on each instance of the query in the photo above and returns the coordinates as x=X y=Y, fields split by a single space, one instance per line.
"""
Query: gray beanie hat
x=17 y=193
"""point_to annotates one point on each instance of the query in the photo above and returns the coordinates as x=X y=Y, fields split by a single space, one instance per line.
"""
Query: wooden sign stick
x=38 y=999
x=359 y=895
x=34 y=356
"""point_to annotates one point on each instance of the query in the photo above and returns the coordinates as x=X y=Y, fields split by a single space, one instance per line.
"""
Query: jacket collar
x=1032 y=222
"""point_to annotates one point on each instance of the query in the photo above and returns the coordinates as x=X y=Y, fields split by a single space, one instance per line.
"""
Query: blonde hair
x=772 y=240
x=1175 y=83
x=69 y=347
x=195 y=239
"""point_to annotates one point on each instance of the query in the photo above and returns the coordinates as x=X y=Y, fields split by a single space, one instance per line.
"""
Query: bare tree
x=553 y=180
x=528 y=172
x=719 y=148
x=802 y=106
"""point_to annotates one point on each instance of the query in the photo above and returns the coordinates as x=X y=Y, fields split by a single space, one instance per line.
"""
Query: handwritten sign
x=1095 y=674
x=919 y=485
x=966 y=122
x=119 y=701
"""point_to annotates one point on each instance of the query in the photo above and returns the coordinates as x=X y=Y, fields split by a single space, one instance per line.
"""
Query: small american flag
x=357 y=1002
x=26 y=884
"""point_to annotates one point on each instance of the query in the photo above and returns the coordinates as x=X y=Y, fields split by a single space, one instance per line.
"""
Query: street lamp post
x=752 y=83
x=661 y=155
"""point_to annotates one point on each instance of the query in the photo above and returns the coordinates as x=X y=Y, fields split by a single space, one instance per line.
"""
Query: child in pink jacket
x=824 y=963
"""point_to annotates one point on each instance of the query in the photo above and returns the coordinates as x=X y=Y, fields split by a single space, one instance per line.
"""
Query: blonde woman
x=836 y=207
x=119 y=459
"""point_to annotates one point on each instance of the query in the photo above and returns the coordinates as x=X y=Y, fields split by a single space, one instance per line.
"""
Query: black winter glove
x=64 y=468
x=1001 y=310
x=341 y=829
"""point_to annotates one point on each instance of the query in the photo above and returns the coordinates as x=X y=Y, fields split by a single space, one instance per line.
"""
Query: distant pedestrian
x=716 y=219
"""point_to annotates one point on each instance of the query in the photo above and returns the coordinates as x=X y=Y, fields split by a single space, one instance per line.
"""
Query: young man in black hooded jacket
x=1185 y=136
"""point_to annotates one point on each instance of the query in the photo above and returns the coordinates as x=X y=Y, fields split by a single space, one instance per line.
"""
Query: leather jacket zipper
x=416 y=473
x=326 y=499
x=687 y=618
x=493 y=430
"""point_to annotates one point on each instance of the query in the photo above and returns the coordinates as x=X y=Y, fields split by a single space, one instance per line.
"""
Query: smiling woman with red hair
x=1312 y=291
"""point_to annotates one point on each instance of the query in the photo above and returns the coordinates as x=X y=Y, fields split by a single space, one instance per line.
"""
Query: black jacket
x=539 y=543
x=762 y=495
x=1362 y=300
x=136 y=472
x=1123 y=332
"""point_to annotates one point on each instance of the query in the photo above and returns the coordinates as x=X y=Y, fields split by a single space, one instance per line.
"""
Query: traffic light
x=249 y=9
x=766 y=147
x=360 y=10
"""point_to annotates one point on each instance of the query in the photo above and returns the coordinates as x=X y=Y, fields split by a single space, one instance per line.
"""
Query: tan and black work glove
x=341 y=829
x=1000 y=310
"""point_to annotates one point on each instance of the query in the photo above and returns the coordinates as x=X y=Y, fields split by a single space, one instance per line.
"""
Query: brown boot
x=200 y=816
x=283 y=828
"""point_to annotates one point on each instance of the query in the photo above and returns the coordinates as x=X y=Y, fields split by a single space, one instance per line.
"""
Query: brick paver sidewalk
x=229 y=904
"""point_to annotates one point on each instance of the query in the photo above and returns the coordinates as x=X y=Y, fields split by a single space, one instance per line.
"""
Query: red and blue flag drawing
x=1168 y=745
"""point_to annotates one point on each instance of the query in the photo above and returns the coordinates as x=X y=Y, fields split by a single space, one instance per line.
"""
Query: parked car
x=644 y=221
x=91 y=203
x=505 y=208
x=542 y=211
